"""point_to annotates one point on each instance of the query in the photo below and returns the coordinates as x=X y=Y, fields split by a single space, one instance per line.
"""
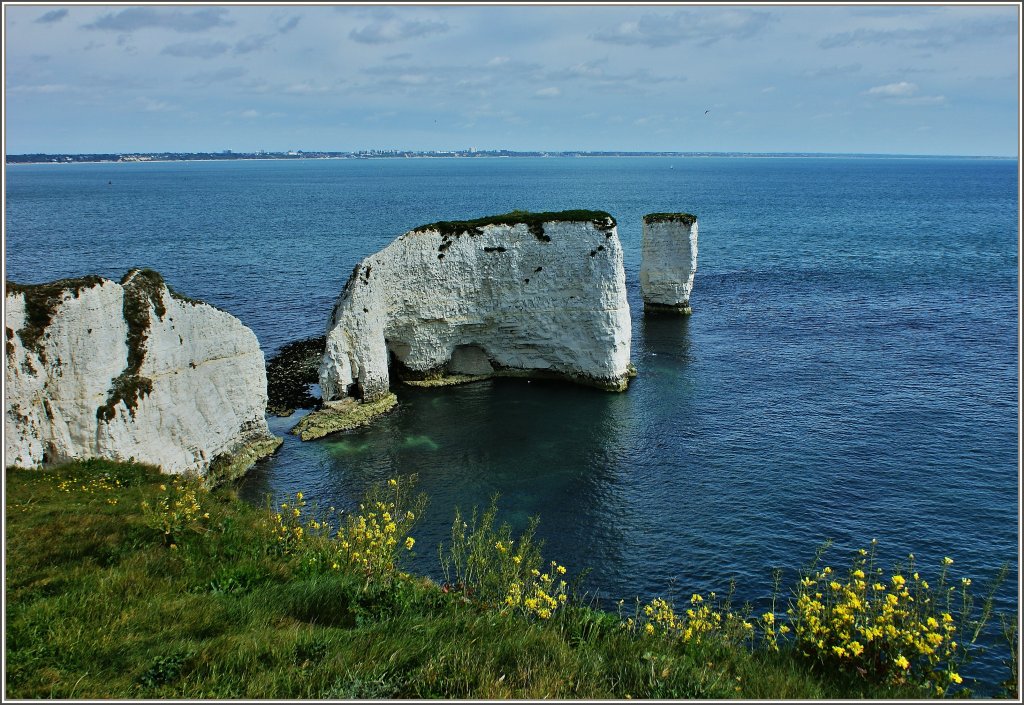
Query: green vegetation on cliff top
x=684 y=218
x=535 y=221
x=124 y=583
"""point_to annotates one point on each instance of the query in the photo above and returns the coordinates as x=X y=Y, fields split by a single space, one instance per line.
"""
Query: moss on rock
x=534 y=221
x=684 y=218
x=41 y=302
x=229 y=466
x=342 y=415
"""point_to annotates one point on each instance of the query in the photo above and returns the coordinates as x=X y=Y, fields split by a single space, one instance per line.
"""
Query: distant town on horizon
x=229 y=155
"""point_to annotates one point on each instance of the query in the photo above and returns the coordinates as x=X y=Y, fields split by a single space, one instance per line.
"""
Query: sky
x=920 y=79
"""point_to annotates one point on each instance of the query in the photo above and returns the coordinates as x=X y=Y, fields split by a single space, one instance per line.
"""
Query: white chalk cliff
x=668 y=261
x=132 y=370
x=537 y=294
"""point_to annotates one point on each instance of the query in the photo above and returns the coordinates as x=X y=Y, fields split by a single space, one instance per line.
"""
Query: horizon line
x=481 y=152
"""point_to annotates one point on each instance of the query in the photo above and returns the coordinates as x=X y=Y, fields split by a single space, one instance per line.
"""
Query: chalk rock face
x=131 y=370
x=668 y=261
x=536 y=294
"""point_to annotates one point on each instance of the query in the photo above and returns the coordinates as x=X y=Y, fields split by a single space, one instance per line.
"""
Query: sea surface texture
x=849 y=370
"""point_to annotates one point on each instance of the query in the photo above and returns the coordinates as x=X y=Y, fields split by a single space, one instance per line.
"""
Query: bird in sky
x=707 y=111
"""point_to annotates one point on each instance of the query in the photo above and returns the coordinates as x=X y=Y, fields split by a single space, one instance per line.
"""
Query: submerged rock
x=522 y=294
x=668 y=261
x=97 y=368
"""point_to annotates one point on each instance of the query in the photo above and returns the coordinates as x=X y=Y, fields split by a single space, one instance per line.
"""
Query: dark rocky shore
x=289 y=374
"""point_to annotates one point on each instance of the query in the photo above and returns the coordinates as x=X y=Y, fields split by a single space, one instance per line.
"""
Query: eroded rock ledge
x=520 y=294
x=97 y=368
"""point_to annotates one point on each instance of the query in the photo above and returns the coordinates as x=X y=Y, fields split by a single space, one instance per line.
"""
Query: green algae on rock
x=342 y=415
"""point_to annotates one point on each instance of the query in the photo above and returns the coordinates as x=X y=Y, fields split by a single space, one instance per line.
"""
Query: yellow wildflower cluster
x=372 y=539
x=176 y=509
x=703 y=620
x=292 y=526
x=891 y=628
x=536 y=594
x=102 y=484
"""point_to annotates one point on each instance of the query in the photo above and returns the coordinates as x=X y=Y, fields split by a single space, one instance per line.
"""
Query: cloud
x=206 y=78
x=892 y=90
x=196 y=50
x=52 y=16
x=155 y=106
x=43 y=88
x=703 y=27
x=290 y=24
x=903 y=93
x=389 y=29
x=549 y=92
x=254 y=42
x=936 y=37
x=135 y=18
x=833 y=71
x=250 y=113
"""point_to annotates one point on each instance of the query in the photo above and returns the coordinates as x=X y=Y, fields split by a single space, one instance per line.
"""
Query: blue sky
x=869 y=79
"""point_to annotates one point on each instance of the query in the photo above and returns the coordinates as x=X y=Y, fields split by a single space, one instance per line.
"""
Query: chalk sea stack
x=131 y=370
x=539 y=295
x=668 y=261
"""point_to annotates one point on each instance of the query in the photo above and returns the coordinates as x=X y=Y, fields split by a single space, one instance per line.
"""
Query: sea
x=850 y=371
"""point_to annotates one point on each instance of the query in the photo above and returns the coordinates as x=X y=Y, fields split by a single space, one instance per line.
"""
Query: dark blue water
x=850 y=370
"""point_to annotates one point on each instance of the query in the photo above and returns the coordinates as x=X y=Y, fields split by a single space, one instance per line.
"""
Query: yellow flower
x=392 y=483
x=898 y=580
x=858 y=574
x=649 y=628
x=955 y=677
x=947 y=561
x=163 y=488
x=769 y=618
x=298 y=496
x=902 y=662
x=517 y=559
x=965 y=581
x=409 y=543
x=561 y=570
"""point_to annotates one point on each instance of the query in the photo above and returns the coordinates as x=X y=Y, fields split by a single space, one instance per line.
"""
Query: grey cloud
x=289 y=25
x=702 y=27
x=196 y=49
x=52 y=16
x=135 y=18
x=254 y=42
x=386 y=31
x=924 y=38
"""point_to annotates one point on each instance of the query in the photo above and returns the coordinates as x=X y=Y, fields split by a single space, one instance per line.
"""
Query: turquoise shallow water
x=850 y=370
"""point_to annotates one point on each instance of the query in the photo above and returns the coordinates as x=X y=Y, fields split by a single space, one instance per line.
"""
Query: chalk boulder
x=668 y=261
x=97 y=368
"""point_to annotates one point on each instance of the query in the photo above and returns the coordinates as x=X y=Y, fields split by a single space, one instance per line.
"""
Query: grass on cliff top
x=203 y=596
x=684 y=218
x=454 y=228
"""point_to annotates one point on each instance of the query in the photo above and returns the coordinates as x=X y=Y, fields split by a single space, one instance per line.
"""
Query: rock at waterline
x=97 y=368
x=668 y=261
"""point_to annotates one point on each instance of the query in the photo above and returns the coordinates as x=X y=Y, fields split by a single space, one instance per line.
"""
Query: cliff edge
x=97 y=368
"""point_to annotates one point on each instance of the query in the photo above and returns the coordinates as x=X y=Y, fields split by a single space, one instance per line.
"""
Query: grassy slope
x=99 y=607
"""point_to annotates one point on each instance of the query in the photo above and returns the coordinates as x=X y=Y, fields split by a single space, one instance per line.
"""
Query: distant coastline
x=227 y=155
